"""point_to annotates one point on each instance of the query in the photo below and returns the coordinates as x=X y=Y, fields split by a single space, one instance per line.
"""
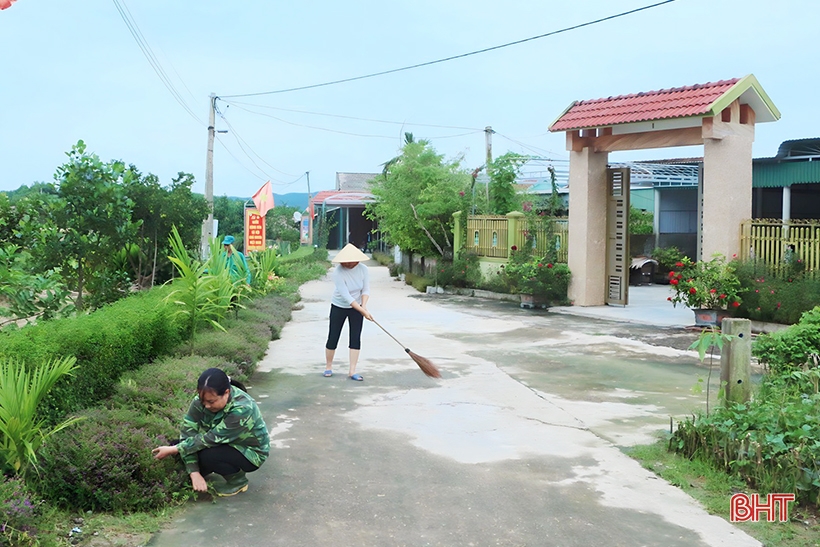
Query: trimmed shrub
x=106 y=343
x=779 y=297
x=107 y=465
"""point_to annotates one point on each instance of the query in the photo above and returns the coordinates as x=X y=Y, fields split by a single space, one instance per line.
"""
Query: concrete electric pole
x=208 y=224
x=488 y=143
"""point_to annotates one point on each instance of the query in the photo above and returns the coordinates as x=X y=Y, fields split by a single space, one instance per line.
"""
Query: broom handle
x=390 y=335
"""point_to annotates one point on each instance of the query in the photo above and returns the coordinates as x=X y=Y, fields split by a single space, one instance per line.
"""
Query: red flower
x=734 y=255
x=778 y=305
x=540 y=265
x=713 y=291
x=757 y=290
x=514 y=248
x=692 y=290
x=669 y=298
x=674 y=282
x=461 y=193
x=679 y=264
x=671 y=275
x=772 y=291
x=549 y=265
x=735 y=304
x=680 y=276
x=722 y=296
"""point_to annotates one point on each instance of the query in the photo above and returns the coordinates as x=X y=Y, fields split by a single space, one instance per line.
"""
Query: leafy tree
x=503 y=172
x=230 y=212
x=93 y=216
x=640 y=221
x=26 y=295
x=280 y=226
x=158 y=208
x=416 y=196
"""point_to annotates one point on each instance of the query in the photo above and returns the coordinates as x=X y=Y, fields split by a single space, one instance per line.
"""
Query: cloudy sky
x=74 y=70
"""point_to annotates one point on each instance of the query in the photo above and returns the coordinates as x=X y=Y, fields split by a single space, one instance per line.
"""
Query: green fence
x=768 y=241
x=493 y=236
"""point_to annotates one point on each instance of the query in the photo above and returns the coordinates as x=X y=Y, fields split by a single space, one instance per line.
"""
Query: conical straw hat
x=350 y=254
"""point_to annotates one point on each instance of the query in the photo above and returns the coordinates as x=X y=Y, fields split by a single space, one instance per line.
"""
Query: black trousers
x=223 y=460
x=355 y=320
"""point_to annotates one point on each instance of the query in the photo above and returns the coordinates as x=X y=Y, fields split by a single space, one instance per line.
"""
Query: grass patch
x=714 y=488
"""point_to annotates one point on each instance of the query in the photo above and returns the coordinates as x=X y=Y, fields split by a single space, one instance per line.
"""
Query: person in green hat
x=223 y=432
x=234 y=260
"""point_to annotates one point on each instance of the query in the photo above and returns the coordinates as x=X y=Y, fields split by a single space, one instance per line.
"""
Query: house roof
x=339 y=198
x=353 y=182
x=694 y=101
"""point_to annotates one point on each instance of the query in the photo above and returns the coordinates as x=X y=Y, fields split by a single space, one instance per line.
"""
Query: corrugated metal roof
x=354 y=182
x=784 y=173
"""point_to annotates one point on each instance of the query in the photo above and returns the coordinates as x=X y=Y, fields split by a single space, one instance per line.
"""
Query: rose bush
x=711 y=284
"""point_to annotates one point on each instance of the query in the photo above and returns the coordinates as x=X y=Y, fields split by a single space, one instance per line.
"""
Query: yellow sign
x=254 y=230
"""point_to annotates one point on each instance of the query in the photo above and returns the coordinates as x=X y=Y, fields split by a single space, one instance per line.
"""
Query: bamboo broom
x=426 y=366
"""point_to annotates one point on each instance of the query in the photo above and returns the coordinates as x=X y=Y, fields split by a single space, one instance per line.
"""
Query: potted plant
x=540 y=283
x=708 y=287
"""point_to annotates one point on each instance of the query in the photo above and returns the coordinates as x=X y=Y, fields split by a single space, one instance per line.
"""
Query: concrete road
x=518 y=444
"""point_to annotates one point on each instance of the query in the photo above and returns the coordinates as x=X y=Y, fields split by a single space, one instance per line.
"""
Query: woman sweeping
x=348 y=303
x=223 y=433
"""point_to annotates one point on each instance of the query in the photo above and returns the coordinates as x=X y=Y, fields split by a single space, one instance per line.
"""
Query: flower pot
x=710 y=318
x=532 y=301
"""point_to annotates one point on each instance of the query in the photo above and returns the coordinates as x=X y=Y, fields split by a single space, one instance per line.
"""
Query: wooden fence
x=767 y=241
x=494 y=236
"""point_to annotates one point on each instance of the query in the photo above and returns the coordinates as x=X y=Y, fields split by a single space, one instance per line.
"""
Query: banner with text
x=254 y=230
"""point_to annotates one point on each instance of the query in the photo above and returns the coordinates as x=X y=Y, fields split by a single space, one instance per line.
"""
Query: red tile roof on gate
x=676 y=102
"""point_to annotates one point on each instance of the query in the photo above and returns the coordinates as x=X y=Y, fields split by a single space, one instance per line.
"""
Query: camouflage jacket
x=239 y=425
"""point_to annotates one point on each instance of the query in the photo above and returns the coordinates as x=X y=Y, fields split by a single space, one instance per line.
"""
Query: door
x=617 y=233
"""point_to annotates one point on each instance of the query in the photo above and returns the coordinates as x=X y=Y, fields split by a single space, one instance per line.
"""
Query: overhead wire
x=133 y=28
x=453 y=57
x=472 y=130
x=531 y=148
x=243 y=144
x=238 y=103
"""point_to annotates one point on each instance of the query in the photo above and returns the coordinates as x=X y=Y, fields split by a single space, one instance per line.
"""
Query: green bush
x=789 y=349
x=417 y=282
x=667 y=257
x=382 y=258
x=107 y=465
x=776 y=296
x=464 y=271
x=114 y=339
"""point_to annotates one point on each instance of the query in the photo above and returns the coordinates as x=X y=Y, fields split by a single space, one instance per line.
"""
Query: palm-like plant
x=204 y=291
x=22 y=389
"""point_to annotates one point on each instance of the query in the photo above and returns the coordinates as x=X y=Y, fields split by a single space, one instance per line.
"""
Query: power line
x=461 y=56
x=133 y=28
x=238 y=103
x=538 y=151
x=391 y=137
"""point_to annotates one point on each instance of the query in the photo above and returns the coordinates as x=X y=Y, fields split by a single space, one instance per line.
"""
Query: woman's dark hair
x=217 y=381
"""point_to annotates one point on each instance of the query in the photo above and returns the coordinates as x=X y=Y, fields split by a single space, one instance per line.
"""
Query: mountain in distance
x=293 y=199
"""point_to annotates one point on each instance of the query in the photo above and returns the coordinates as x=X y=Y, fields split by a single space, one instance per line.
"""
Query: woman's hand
x=367 y=315
x=198 y=482
x=161 y=452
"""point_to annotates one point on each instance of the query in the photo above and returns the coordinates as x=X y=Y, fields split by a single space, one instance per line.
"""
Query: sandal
x=356 y=377
x=328 y=373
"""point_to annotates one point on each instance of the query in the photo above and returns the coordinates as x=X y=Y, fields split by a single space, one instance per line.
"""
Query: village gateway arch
x=721 y=116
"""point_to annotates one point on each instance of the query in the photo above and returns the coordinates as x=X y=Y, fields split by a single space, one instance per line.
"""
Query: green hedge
x=106 y=343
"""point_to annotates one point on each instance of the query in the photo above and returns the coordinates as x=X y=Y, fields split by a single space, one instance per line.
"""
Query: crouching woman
x=223 y=433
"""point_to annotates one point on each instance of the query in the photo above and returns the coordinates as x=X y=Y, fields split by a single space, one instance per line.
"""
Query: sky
x=73 y=70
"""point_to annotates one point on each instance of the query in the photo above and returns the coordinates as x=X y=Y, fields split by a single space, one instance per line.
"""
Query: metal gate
x=617 y=234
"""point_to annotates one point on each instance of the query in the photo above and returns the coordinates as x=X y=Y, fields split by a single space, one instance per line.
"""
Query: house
x=341 y=212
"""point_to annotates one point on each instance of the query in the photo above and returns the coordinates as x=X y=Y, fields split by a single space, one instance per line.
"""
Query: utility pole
x=307 y=174
x=208 y=223
x=488 y=143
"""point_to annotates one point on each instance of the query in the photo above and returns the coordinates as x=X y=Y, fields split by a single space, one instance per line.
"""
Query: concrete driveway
x=518 y=443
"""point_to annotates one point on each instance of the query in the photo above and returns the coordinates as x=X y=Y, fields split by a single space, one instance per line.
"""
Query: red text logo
x=749 y=507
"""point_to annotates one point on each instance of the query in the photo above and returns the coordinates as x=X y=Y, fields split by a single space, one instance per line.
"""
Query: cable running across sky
x=428 y=63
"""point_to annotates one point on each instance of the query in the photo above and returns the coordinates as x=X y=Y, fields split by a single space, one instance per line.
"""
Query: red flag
x=5 y=4
x=263 y=199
